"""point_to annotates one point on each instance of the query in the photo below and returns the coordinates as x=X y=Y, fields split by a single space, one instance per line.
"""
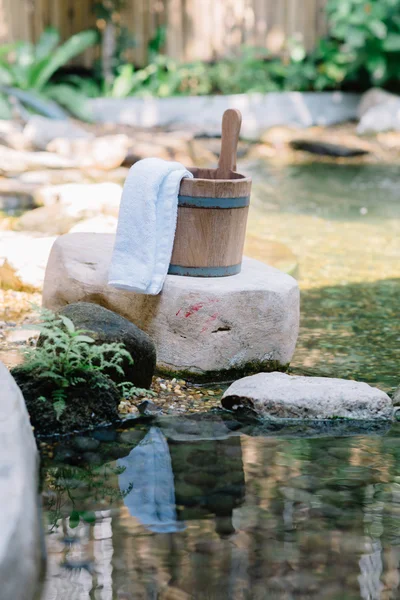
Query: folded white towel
x=146 y=226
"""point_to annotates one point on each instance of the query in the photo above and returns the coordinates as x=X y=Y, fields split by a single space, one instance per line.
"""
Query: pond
x=343 y=223
x=148 y=513
x=208 y=509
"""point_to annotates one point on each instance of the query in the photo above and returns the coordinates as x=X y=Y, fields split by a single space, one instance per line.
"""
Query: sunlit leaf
x=70 y=327
x=74 y=46
x=47 y=43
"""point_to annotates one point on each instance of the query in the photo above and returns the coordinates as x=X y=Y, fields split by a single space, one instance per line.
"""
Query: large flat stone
x=280 y=396
x=203 y=328
x=20 y=548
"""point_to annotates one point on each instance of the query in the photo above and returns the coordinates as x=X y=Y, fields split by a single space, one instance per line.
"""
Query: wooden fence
x=196 y=29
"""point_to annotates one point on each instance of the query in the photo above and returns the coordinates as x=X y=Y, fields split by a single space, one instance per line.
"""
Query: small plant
x=66 y=355
x=26 y=71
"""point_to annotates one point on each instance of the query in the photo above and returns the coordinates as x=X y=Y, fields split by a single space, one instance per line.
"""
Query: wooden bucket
x=212 y=213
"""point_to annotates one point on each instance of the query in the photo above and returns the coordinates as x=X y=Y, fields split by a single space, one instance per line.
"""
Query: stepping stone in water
x=279 y=396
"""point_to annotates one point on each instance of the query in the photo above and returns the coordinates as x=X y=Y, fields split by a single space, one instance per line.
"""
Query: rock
x=396 y=398
x=15 y=195
x=207 y=329
x=40 y=131
x=148 y=409
x=179 y=146
x=193 y=428
x=18 y=161
x=384 y=117
x=11 y=134
x=21 y=557
x=374 y=97
x=106 y=326
x=99 y=224
x=23 y=260
x=22 y=336
x=83 y=199
x=280 y=396
x=50 y=177
x=322 y=148
x=51 y=220
x=203 y=114
x=379 y=111
x=85 y=443
x=58 y=219
x=108 y=152
x=105 y=435
x=88 y=404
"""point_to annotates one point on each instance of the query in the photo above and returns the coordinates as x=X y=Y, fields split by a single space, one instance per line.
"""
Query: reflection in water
x=254 y=517
x=147 y=484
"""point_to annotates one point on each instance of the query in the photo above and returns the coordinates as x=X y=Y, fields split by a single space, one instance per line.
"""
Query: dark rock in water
x=85 y=443
x=88 y=404
x=149 y=409
x=92 y=458
x=105 y=435
x=67 y=455
x=106 y=326
x=325 y=149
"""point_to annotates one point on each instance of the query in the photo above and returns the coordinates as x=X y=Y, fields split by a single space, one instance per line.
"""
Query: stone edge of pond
x=260 y=111
x=22 y=552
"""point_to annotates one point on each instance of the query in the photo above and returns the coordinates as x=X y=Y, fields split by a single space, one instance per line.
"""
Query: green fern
x=128 y=390
x=65 y=353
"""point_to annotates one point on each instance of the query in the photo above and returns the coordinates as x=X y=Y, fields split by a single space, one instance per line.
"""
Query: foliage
x=67 y=354
x=29 y=68
x=364 y=37
x=362 y=48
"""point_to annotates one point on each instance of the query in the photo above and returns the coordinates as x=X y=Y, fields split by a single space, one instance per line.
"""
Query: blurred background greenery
x=356 y=45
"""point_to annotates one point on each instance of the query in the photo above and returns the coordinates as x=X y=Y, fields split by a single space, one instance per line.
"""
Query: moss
x=225 y=375
x=88 y=405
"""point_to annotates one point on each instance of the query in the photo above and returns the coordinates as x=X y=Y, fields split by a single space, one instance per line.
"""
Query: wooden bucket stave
x=212 y=214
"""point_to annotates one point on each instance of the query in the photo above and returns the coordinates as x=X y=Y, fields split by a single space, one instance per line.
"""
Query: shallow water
x=187 y=511
x=343 y=223
x=281 y=513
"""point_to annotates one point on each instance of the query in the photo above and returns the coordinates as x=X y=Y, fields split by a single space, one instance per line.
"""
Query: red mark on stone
x=179 y=312
x=208 y=322
x=194 y=309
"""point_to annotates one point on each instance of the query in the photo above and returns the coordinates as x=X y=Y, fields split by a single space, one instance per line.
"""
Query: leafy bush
x=364 y=37
x=66 y=355
x=26 y=71
x=363 y=48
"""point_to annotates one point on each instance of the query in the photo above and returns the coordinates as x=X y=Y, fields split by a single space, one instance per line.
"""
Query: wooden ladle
x=231 y=124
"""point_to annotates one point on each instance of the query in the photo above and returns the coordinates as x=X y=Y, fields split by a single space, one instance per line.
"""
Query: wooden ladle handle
x=231 y=124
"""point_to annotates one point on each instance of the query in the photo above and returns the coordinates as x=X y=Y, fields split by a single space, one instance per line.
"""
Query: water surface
x=190 y=510
x=282 y=513
x=343 y=223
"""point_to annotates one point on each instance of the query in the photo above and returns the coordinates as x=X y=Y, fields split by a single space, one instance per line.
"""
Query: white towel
x=146 y=226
